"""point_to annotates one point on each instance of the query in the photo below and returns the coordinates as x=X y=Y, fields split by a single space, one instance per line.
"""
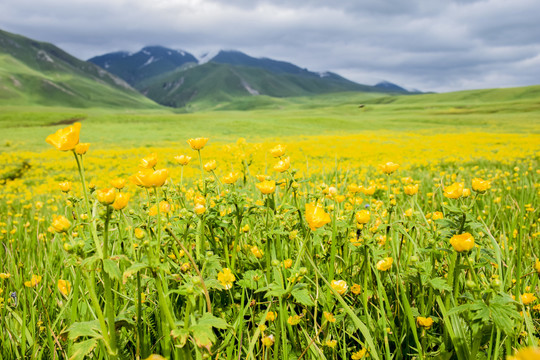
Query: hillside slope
x=37 y=73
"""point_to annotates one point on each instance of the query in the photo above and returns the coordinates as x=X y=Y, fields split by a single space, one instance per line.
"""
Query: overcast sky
x=431 y=45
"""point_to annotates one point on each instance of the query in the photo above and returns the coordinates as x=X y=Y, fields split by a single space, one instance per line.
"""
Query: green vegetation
x=336 y=114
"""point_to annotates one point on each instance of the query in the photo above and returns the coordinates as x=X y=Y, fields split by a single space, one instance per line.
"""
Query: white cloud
x=433 y=45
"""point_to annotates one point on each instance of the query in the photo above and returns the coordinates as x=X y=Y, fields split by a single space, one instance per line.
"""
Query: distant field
x=258 y=118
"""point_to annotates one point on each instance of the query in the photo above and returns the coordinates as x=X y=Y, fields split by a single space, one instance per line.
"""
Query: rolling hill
x=38 y=73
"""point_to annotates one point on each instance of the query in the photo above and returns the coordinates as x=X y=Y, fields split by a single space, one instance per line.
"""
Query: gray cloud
x=432 y=45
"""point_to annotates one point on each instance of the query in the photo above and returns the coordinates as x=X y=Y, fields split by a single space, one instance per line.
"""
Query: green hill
x=37 y=73
x=213 y=83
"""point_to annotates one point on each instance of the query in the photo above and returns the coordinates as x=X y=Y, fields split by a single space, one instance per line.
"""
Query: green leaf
x=87 y=328
x=301 y=295
x=181 y=335
x=439 y=284
x=83 y=348
x=111 y=268
x=210 y=320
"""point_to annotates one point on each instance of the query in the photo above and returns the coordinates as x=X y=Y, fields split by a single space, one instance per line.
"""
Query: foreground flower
x=118 y=183
x=82 y=148
x=271 y=316
x=537 y=266
x=278 y=151
x=283 y=165
x=64 y=286
x=528 y=298
x=268 y=340
x=65 y=186
x=148 y=162
x=198 y=143
x=359 y=355
x=106 y=196
x=411 y=189
x=60 y=223
x=36 y=279
x=210 y=165
x=267 y=186
x=231 y=178
x=425 y=322
x=294 y=320
x=65 y=139
x=454 y=191
x=437 y=215
x=226 y=278
x=363 y=216
x=120 y=201
x=4 y=276
x=462 y=242
x=480 y=185
x=340 y=286
x=385 y=264
x=257 y=252
x=150 y=178
x=182 y=159
x=389 y=167
x=528 y=353
x=316 y=217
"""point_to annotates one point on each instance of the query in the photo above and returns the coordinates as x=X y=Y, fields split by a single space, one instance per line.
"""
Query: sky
x=429 y=45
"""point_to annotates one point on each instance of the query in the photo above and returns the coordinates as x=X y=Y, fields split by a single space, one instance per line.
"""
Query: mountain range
x=33 y=72
x=177 y=78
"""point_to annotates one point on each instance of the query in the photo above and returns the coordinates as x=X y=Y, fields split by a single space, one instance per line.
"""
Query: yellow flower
x=316 y=217
x=226 y=278
x=356 y=289
x=5 y=276
x=294 y=320
x=370 y=190
x=267 y=186
x=331 y=343
x=528 y=298
x=283 y=165
x=409 y=212
x=287 y=263
x=118 y=183
x=389 y=167
x=256 y=252
x=340 y=286
x=278 y=150
x=528 y=353
x=385 y=264
x=231 y=178
x=537 y=266
x=261 y=177
x=36 y=279
x=268 y=340
x=60 y=223
x=363 y=216
x=480 y=185
x=64 y=286
x=198 y=143
x=182 y=159
x=148 y=162
x=359 y=354
x=425 y=322
x=65 y=186
x=466 y=192
x=150 y=178
x=271 y=316
x=121 y=200
x=411 y=189
x=199 y=209
x=82 y=148
x=65 y=139
x=139 y=233
x=106 y=196
x=329 y=317
x=454 y=191
x=462 y=242
x=437 y=215
x=210 y=165
x=155 y=357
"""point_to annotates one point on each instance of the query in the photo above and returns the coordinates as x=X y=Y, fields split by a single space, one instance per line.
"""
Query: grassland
x=323 y=255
